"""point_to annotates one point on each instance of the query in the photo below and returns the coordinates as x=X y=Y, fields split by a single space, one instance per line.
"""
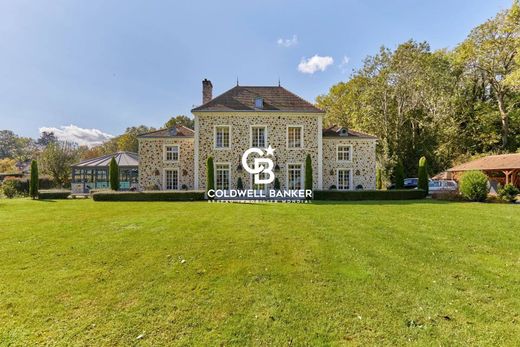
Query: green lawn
x=91 y=273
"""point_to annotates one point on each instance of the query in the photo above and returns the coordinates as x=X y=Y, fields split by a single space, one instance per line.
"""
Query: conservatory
x=92 y=173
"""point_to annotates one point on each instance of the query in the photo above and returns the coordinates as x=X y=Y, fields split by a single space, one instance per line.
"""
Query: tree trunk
x=504 y=118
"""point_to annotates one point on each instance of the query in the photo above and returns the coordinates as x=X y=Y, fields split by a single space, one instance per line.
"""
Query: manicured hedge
x=395 y=194
x=148 y=196
x=53 y=194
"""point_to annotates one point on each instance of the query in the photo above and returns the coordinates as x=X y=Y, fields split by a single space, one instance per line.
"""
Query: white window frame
x=350 y=183
x=351 y=152
x=165 y=146
x=302 y=174
x=215 y=171
x=266 y=135
x=215 y=136
x=178 y=178
x=301 y=136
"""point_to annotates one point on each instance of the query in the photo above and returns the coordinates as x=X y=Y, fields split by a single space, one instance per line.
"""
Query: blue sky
x=111 y=64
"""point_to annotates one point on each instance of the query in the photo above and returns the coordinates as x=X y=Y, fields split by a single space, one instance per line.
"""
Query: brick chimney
x=207 y=91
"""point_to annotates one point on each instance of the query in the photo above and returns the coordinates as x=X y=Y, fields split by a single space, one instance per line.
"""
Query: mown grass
x=389 y=273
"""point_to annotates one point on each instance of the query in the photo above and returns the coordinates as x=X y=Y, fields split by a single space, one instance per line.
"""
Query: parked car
x=442 y=186
x=409 y=183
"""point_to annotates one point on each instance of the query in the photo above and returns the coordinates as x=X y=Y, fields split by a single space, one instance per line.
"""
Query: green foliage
x=379 y=179
x=474 y=186
x=308 y=172
x=508 y=193
x=180 y=120
x=210 y=174
x=9 y=189
x=394 y=194
x=34 y=182
x=113 y=172
x=240 y=184
x=276 y=183
x=55 y=194
x=56 y=160
x=399 y=176
x=423 y=175
x=149 y=196
x=8 y=165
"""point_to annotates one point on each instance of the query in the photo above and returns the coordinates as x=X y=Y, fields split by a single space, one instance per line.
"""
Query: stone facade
x=240 y=128
x=152 y=163
x=362 y=163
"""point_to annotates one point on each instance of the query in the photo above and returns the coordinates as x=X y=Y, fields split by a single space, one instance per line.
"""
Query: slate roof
x=337 y=131
x=122 y=158
x=242 y=98
x=491 y=162
x=176 y=131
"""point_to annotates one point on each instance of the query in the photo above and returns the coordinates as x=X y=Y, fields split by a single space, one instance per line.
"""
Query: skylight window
x=259 y=103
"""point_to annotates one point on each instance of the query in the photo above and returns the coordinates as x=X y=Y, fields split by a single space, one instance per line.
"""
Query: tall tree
x=34 y=181
x=113 y=172
x=46 y=138
x=56 y=160
x=180 y=120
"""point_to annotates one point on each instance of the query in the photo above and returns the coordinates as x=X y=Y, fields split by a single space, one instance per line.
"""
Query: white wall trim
x=320 y=152
x=196 y=156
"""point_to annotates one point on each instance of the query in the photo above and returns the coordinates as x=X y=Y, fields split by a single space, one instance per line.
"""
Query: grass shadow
x=382 y=202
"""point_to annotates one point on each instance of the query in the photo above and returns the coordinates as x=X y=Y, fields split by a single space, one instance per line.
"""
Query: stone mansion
x=255 y=116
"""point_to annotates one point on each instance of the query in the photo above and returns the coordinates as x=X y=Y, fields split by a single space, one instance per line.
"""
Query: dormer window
x=343 y=132
x=259 y=103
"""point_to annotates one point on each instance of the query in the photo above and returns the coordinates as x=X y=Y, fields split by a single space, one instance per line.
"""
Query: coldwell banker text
x=261 y=195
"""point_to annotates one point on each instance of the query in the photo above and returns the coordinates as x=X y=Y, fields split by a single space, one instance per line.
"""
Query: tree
x=240 y=184
x=56 y=160
x=399 y=175
x=379 y=179
x=474 y=186
x=8 y=165
x=180 y=120
x=16 y=147
x=46 y=138
x=489 y=51
x=308 y=172
x=113 y=172
x=210 y=175
x=276 y=183
x=34 y=181
x=423 y=175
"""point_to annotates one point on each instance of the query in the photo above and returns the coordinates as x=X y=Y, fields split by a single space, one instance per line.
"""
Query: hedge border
x=149 y=196
x=352 y=195
x=53 y=194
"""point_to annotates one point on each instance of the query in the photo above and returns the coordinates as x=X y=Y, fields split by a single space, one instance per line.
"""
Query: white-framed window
x=171 y=179
x=259 y=136
x=294 y=176
x=344 y=179
x=222 y=136
x=171 y=152
x=344 y=153
x=222 y=176
x=295 y=136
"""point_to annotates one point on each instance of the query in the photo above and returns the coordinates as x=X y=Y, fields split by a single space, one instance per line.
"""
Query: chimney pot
x=207 y=91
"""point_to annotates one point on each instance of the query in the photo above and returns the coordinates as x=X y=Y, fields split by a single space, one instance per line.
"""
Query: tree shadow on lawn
x=383 y=202
x=46 y=200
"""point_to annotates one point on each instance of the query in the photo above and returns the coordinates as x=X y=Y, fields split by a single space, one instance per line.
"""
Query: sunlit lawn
x=89 y=273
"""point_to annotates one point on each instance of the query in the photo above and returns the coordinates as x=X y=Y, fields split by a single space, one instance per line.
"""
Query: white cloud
x=316 y=63
x=81 y=136
x=344 y=63
x=288 y=42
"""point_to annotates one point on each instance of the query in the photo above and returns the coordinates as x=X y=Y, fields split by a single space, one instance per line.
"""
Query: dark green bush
x=53 y=194
x=240 y=184
x=210 y=174
x=308 y=172
x=34 y=182
x=379 y=179
x=508 y=193
x=113 y=172
x=350 y=195
x=149 y=196
x=9 y=189
x=20 y=186
x=276 y=183
x=474 y=186
x=399 y=176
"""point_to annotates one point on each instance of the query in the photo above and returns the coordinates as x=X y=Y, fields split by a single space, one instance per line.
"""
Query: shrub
x=240 y=184
x=149 y=196
x=423 y=175
x=20 y=185
x=9 y=189
x=379 y=179
x=113 y=171
x=350 y=195
x=276 y=183
x=399 y=175
x=53 y=194
x=474 y=186
x=308 y=172
x=508 y=193
x=210 y=174
x=34 y=182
